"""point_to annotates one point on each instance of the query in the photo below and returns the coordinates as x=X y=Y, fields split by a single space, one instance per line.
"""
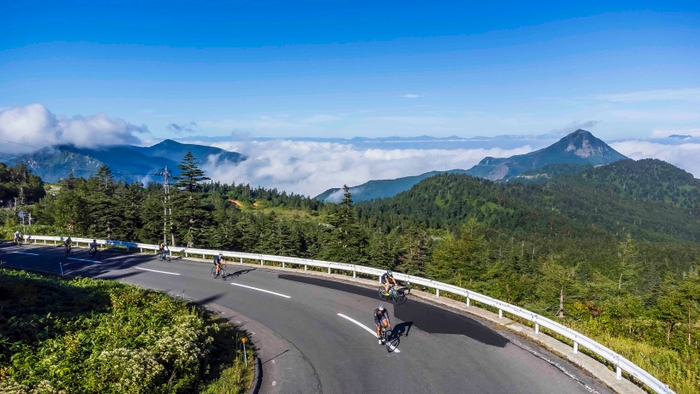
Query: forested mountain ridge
x=126 y=162
x=548 y=172
x=380 y=188
x=623 y=197
x=577 y=148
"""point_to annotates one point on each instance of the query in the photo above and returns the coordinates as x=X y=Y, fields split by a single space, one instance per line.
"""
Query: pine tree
x=190 y=214
x=190 y=174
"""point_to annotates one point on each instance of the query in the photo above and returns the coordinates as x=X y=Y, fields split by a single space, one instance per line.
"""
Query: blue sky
x=345 y=69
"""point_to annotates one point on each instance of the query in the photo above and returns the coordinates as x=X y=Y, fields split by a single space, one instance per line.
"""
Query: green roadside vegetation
x=96 y=336
x=612 y=251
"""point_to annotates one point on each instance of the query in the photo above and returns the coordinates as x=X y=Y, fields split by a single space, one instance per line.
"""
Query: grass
x=97 y=336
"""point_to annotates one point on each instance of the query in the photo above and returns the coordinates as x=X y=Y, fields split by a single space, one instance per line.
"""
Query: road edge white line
x=369 y=330
x=27 y=253
x=263 y=290
x=160 y=272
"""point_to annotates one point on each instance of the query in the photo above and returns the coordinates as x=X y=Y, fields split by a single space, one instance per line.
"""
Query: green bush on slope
x=96 y=336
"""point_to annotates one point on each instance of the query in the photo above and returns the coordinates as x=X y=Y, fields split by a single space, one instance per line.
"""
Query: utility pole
x=167 y=211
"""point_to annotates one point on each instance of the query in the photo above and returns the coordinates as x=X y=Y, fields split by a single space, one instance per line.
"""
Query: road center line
x=89 y=261
x=263 y=290
x=160 y=272
x=369 y=330
x=27 y=253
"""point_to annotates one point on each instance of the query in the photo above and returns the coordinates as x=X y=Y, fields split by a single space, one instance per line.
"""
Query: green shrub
x=96 y=336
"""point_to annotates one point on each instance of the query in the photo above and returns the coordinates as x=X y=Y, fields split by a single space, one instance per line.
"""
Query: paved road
x=439 y=352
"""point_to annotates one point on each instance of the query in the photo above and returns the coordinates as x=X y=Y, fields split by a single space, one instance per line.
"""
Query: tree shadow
x=429 y=318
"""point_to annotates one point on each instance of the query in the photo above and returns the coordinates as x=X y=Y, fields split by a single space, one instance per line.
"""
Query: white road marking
x=27 y=253
x=369 y=330
x=274 y=383
x=89 y=261
x=263 y=290
x=160 y=272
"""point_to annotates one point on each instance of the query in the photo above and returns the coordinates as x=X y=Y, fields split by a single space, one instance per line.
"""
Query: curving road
x=318 y=350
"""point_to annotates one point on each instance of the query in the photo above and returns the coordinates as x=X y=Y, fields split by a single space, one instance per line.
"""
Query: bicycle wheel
x=222 y=272
x=213 y=273
x=382 y=294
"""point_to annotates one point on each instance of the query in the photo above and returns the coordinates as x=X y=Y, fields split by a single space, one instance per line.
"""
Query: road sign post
x=21 y=214
x=245 y=355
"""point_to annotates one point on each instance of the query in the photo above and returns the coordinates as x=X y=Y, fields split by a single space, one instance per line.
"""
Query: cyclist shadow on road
x=401 y=330
x=238 y=273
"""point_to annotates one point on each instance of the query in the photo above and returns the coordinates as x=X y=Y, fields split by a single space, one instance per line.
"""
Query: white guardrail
x=621 y=363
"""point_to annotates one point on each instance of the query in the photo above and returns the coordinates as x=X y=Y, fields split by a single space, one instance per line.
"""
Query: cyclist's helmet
x=381 y=308
x=389 y=272
x=94 y=240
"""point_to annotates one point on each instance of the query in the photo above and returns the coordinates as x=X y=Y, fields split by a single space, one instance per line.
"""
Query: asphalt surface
x=439 y=351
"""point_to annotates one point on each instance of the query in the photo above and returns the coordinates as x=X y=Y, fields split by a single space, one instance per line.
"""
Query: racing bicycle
x=396 y=295
x=222 y=273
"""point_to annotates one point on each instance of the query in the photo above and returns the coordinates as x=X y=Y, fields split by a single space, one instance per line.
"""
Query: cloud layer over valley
x=309 y=168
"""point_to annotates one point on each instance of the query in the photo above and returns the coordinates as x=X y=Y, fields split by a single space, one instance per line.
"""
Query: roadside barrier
x=621 y=364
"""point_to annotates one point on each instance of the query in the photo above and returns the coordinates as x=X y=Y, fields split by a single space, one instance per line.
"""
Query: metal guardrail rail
x=578 y=339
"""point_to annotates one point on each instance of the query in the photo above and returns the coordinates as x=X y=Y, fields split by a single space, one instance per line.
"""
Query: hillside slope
x=623 y=197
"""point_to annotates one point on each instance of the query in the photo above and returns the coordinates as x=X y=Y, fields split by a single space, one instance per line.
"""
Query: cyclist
x=93 y=247
x=386 y=279
x=381 y=318
x=218 y=260
x=16 y=237
x=162 y=250
x=67 y=245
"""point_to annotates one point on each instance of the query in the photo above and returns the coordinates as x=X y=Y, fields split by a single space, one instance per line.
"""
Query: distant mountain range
x=127 y=162
x=578 y=148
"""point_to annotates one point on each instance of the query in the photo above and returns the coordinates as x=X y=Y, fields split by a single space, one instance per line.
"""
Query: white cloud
x=36 y=127
x=410 y=96
x=685 y=156
x=689 y=94
x=312 y=167
x=693 y=132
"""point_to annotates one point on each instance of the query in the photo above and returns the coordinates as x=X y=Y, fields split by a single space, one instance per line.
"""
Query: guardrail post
x=305 y=267
x=575 y=347
x=500 y=313
x=329 y=270
x=283 y=265
x=618 y=373
x=437 y=292
x=204 y=257
x=354 y=274
x=241 y=260
x=261 y=262
x=54 y=242
x=44 y=242
x=468 y=301
x=185 y=253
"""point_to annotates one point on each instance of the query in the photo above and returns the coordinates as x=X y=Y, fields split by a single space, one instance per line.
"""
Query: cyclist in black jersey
x=381 y=318
x=218 y=260
x=386 y=280
x=67 y=245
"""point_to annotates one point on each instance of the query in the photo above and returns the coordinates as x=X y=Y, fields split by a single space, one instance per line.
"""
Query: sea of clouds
x=304 y=167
